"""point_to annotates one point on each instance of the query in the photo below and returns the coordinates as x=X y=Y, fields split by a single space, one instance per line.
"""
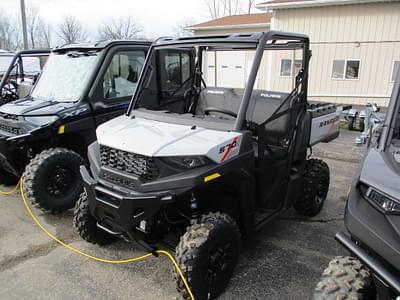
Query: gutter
x=316 y=3
x=235 y=26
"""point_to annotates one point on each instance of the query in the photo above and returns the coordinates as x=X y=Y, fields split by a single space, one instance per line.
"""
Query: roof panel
x=261 y=18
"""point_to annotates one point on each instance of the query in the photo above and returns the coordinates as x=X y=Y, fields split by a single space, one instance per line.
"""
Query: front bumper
x=380 y=271
x=378 y=231
x=121 y=213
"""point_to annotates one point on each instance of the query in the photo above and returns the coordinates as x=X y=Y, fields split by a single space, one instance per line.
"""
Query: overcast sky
x=157 y=17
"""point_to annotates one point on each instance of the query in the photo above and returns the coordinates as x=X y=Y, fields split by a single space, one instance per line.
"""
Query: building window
x=346 y=69
x=396 y=69
x=286 y=67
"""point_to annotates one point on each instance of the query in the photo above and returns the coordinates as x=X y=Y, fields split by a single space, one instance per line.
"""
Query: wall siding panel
x=368 y=32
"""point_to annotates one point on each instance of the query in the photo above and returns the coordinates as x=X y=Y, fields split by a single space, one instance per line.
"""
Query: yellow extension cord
x=79 y=252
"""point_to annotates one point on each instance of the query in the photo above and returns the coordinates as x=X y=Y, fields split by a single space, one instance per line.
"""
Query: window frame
x=107 y=66
x=345 y=68
x=292 y=61
x=393 y=79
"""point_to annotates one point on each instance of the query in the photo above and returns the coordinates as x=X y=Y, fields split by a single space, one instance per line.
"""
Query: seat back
x=224 y=98
x=261 y=107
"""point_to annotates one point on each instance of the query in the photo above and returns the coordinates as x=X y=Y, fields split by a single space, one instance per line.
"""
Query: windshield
x=65 y=76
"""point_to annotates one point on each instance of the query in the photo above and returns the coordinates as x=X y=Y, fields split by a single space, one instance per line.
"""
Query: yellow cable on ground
x=77 y=251
x=14 y=189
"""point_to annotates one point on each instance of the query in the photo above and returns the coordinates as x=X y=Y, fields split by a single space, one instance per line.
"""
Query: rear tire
x=362 y=125
x=315 y=188
x=207 y=255
x=345 y=278
x=52 y=181
x=351 y=121
x=86 y=226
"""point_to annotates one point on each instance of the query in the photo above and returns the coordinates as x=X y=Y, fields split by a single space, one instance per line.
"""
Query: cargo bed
x=325 y=122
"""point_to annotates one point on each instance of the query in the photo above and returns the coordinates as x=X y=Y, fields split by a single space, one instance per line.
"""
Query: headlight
x=187 y=162
x=385 y=203
x=41 y=120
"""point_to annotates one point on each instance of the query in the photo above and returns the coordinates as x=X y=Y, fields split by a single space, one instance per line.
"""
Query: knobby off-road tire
x=351 y=121
x=207 y=255
x=362 y=125
x=52 y=181
x=314 y=189
x=7 y=178
x=86 y=226
x=345 y=278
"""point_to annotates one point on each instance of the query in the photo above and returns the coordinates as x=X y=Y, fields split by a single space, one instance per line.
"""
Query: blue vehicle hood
x=34 y=107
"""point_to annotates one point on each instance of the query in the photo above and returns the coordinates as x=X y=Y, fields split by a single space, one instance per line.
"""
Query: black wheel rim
x=218 y=263
x=322 y=190
x=60 y=182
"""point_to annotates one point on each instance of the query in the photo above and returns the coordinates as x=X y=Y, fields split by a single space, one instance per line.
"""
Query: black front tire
x=314 y=189
x=52 y=180
x=207 y=255
x=345 y=278
x=86 y=226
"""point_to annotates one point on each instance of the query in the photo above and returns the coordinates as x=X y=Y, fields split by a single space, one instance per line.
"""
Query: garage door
x=225 y=69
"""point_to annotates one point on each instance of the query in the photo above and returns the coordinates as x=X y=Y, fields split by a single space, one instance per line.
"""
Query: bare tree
x=119 y=28
x=32 y=17
x=221 y=8
x=70 y=30
x=213 y=8
x=250 y=5
x=180 y=28
x=43 y=34
x=10 y=38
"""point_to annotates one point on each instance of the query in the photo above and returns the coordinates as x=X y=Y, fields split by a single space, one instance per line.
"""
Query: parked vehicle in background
x=197 y=166
x=46 y=134
x=19 y=72
x=372 y=218
x=370 y=118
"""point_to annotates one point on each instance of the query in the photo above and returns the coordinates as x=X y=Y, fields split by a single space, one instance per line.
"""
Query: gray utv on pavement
x=197 y=167
x=372 y=218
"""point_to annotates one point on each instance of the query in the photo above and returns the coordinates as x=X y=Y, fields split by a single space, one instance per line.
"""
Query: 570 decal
x=227 y=149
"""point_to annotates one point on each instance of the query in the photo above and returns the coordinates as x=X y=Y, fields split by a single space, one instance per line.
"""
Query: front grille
x=9 y=129
x=142 y=166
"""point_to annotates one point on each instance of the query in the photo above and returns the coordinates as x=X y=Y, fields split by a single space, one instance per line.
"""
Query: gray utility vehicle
x=372 y=218
x=196 y=166
x=46 y=134
x=19 y=73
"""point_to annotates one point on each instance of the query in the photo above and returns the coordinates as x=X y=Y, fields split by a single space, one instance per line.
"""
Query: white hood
x=152 y=138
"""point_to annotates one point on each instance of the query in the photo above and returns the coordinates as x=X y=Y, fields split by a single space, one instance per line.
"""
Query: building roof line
x=284 y=4
x=253 y=25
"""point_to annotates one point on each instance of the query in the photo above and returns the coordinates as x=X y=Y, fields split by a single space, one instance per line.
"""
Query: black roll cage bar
x=258 y=41
x=18 y=59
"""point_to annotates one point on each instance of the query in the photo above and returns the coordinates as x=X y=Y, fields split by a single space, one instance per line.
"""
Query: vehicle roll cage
x=259 y=41
x=17 y=59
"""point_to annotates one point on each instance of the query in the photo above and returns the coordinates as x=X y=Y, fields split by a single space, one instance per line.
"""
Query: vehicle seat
x=224 y=98
x=262 y=105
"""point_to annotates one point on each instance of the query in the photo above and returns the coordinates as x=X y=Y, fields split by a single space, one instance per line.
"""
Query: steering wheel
x=9 y=91
x=208 y=110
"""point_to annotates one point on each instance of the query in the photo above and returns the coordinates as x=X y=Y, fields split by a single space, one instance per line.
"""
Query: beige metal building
x=355 y=44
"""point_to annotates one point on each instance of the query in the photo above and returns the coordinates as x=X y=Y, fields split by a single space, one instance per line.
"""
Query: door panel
x=116 y=83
